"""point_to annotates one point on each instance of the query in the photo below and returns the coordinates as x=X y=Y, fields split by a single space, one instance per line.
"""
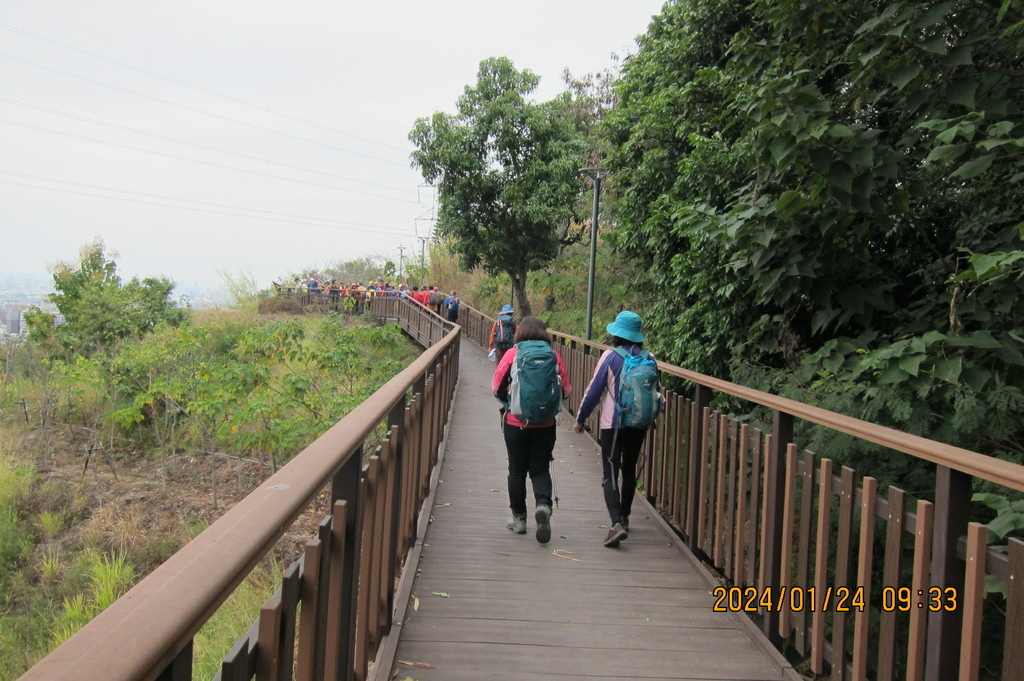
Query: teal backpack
x=535 y=393
x=639 y=399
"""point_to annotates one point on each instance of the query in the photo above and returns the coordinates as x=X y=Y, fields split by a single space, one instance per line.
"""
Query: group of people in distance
x=351 y=294
x=526 y=372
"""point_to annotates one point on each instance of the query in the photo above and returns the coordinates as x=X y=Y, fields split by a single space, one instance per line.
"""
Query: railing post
x=782 y=435
x=345 y=486
x=952 y=509
x=701 y=400
x=180 y=668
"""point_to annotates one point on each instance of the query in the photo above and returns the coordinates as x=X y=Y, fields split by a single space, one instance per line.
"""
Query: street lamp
x=423 y=251
x=594 y=174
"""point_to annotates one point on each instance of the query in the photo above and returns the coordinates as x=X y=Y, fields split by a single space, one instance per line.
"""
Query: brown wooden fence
x=345 y=581
x=861 y=583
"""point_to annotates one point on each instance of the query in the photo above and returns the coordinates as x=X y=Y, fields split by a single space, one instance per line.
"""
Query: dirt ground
x=149 y=506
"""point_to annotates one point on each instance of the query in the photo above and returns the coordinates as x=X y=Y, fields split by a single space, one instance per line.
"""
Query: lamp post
x=423 y=251
x=401 y=262
x=594 y=174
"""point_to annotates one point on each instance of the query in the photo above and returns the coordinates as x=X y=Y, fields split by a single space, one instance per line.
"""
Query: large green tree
x=506 y=171
x=99 y=308
x=832 y=188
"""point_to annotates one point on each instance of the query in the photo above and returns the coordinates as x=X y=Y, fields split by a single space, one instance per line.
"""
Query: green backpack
x=535 y=393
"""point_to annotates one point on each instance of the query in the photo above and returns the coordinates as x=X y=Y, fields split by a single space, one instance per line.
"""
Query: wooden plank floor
x=490 y=604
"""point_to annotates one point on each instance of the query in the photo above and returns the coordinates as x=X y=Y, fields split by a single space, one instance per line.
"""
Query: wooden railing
x=346 y=580
x=780 y=526
x=786 y=531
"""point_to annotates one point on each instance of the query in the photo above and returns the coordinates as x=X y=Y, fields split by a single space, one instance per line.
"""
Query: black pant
x=618 y=496
x=529 y=451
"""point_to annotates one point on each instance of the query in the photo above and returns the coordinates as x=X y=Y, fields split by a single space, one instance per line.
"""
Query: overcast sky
x=249 y=136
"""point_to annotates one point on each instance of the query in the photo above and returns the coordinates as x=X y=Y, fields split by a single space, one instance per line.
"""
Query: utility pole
x=401 y=262
x=594 y=174
x=423 y=253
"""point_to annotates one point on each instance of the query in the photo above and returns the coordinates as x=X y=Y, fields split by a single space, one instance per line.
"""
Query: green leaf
x=892 y=374
x=911 y=363
x=1006 y=522
x=782 y=146
x=962 y=91
x=841 y=175
x=974 y=167
x=792 y=200
x=947 y=152
x=976 y=377
x=994 y=501
x=839 y=130
x=960 y=55
x=902 y=76
x=949 y=369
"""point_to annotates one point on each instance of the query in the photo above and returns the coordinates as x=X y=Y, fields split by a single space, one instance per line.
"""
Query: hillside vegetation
x=115 y=453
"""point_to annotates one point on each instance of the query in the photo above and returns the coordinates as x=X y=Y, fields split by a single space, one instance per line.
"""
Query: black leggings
x=618 y=496
x=529 y=453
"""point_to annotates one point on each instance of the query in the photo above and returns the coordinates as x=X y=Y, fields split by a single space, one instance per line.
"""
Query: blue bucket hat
x=507 y=308
x=627 y=326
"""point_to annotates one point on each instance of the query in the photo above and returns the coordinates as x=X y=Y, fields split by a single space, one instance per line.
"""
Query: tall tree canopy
x=833 y=188
x=99 y=309
x=506 y=170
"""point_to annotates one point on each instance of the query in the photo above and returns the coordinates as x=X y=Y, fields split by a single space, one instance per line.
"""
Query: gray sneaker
x=543 y=517
x=517 y=524
x=615 y=535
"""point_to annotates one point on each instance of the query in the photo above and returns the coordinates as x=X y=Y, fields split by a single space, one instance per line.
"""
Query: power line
x=192 y=144
x=275 y=54
x=195 y=160
x=375 y=230
x=193 y=109
x=174 y=198
x=191 y=86
x=228 y=61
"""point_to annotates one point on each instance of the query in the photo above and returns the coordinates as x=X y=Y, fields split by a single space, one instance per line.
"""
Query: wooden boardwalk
x=490 y=604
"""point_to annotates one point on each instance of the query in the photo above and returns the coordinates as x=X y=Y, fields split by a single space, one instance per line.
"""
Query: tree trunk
x=519 y=287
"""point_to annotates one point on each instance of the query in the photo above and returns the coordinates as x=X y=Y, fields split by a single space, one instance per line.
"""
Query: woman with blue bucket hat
x=626 y=386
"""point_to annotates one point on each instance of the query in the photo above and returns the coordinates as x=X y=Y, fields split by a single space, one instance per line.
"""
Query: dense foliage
x=832 y=189
x=99 y=308
x=506 y=170
x=172 y=395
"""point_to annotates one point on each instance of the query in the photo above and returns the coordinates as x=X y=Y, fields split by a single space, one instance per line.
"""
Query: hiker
x=623 y=427
x=503 y=331
x=436 y=299
x=451 y=303
x=531 y=382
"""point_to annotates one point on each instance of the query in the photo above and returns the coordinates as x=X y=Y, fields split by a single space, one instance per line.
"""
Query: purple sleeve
x=597 y=386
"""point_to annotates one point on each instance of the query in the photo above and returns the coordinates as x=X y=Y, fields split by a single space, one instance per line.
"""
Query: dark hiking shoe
x=543 y=517
x=517 y=524
x=615 y=535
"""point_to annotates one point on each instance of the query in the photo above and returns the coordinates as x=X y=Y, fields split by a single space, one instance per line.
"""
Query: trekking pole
x=554 y=483
x=611 y=460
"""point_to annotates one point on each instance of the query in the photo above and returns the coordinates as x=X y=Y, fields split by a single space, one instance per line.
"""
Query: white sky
x=249 y=136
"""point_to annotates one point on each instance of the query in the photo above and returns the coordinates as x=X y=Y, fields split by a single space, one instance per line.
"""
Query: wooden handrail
x=143 y=631
x=1004 y=473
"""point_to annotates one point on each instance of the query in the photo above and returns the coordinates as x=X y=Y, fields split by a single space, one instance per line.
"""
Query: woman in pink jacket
x=529 y=444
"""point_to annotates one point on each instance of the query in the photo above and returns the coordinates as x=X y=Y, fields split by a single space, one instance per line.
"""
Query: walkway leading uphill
x=487 y=603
